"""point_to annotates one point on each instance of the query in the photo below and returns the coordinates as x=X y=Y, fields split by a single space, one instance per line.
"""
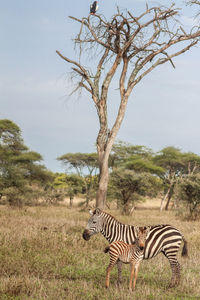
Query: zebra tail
x=106 y=249
x=185 y=249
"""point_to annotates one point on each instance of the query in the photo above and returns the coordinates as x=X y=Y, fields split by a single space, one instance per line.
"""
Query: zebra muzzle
x=86 y=235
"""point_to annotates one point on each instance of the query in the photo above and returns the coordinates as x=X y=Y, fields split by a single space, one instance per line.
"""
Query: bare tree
x=133 y=46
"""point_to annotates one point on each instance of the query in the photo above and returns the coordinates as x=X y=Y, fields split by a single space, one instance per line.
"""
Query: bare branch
x=81 y=71
x=86 y=22
x=158 y=62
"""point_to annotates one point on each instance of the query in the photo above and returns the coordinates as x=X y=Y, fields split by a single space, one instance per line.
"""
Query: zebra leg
x=109 y=268
x=119 y=267
x=175 y=267
x=136 y=274
x=131 y=276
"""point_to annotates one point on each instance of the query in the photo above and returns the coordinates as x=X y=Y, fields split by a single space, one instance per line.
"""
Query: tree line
x=135 y=173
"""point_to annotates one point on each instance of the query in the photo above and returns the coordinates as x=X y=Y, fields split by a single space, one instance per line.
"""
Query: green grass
x=56 y=263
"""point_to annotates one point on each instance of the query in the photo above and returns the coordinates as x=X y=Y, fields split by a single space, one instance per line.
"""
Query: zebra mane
x=117 y=222
x=107 y=214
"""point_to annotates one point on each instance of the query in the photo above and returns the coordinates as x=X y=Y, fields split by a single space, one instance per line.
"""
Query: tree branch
x=83 y=72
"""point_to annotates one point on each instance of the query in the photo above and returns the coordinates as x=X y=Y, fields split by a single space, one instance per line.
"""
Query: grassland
x=43 y=256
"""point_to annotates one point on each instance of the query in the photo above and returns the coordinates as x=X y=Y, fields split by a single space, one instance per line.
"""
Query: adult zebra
x=161 y=238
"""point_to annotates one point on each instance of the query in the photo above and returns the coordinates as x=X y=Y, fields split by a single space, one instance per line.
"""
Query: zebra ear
x=90 y=212
x=97 y=211
x=146 y=229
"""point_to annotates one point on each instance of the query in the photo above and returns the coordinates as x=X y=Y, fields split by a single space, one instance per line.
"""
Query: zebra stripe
x=124 y=252
x=161 y=238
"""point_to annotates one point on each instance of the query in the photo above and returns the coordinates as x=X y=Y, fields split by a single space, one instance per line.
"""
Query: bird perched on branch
x=93 y=8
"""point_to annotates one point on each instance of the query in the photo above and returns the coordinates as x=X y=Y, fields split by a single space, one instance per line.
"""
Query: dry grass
x=56 y=263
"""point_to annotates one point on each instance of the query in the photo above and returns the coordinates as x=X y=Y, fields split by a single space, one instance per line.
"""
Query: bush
x=188 y=191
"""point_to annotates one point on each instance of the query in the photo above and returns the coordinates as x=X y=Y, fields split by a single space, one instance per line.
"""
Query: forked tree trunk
x=169 y=196
x=164 y=200
x=105 y=141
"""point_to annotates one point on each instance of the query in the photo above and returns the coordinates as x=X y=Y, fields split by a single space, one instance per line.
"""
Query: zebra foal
x=122 y=252
x=164 y=239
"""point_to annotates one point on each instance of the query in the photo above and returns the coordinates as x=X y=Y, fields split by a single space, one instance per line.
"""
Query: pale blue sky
x=34 y=87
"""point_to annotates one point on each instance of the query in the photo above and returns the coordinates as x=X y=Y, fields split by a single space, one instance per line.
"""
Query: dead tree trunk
x=139 y=44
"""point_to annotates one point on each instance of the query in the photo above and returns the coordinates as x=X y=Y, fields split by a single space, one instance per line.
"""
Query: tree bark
x=71 y=201
x=102 y=189
x=169 y=196
x=164 y=199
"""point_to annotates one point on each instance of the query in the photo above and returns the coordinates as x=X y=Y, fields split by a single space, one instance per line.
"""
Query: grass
x=43 y=256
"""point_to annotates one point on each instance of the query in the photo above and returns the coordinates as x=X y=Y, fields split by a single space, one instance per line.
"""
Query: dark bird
x=93 y=8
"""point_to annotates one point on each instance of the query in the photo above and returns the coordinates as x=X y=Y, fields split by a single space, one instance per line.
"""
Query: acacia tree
x=171 y=160
x=176 y=166
x=20 y=171
x=81 y=163
x=131 y=47
x=188 y=191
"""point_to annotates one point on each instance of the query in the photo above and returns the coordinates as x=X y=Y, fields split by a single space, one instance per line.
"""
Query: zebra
x=122 y=252
x=161 y=238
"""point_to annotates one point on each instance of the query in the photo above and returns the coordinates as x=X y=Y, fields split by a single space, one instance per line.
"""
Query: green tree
x=74 y=186
x=191 y=163
x=86 y=166
x=122 y=152
x=171 y=160
x=176 y=165
x=19 y=168
x=134 y=174
x=129 y=187
x=188 y=191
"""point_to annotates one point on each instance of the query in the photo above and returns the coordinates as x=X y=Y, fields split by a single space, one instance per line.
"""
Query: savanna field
x=43 y=256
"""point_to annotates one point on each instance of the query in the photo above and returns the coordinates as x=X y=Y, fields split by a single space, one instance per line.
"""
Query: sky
x=35 y=85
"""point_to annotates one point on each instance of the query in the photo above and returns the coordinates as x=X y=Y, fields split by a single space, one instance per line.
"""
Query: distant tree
x=129 y=187
x=60 y=181
x=86 y=166
x=64 y=185
x=19 y=168
x=176 y=164
x=188 y=191
x=56 y=190
x=123 y=152
x=170 y=159
x=191 y=163
x=130 y=47
x=75 y=185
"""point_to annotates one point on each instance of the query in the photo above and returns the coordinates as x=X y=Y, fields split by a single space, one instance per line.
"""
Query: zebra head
x=142 y=233
x=94 y=224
